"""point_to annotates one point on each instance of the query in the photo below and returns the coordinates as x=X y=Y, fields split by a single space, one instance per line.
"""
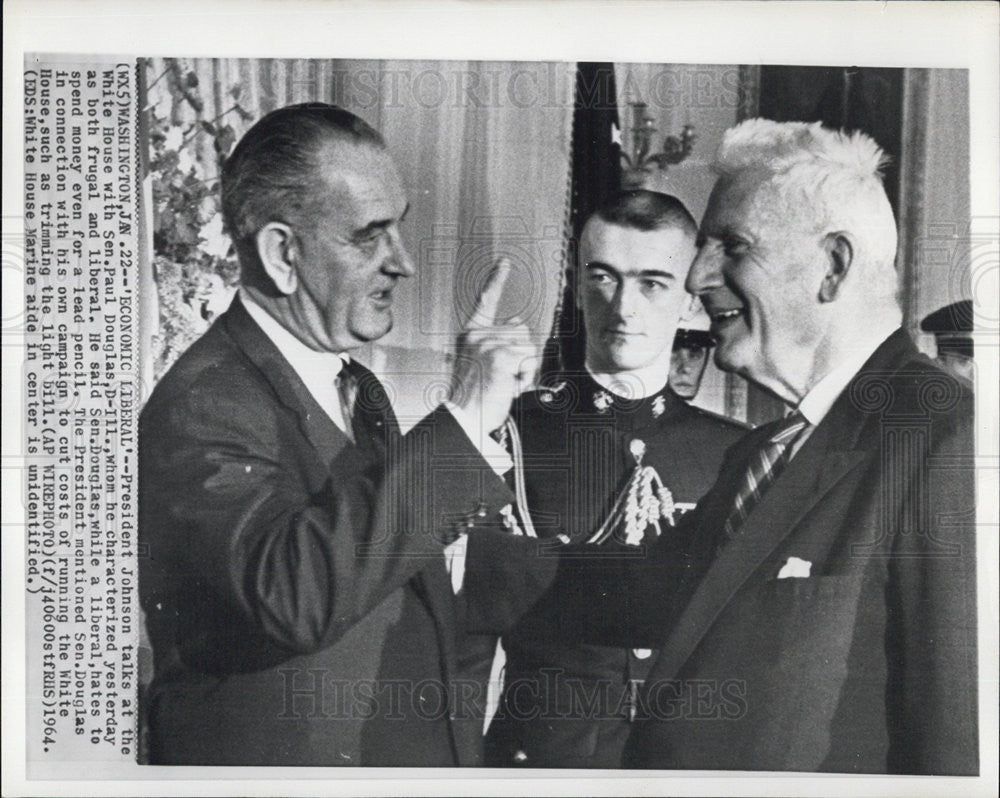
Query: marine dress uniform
x=595 y=467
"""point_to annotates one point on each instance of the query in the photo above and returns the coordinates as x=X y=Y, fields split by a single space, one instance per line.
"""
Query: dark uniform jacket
x=568 y=704
x=294 y=585
x=867 y=665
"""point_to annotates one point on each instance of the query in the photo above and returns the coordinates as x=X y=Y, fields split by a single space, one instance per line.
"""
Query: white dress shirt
x=821 y=397
x=317 y=370
x=636 y=384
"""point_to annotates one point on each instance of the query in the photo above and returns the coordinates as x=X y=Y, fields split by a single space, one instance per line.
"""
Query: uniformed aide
x=692 y=346
x=952 y=329
x=612 y=455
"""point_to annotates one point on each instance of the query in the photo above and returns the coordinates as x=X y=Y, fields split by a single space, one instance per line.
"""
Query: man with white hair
x=818 y=611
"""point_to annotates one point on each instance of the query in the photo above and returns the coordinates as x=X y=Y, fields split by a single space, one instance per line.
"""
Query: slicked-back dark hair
x=274 y=171
x=646 y=210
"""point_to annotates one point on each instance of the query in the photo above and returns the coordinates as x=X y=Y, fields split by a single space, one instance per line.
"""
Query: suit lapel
x=325 y=437
x=827 y=457
x=431 y=584
x=808 y=478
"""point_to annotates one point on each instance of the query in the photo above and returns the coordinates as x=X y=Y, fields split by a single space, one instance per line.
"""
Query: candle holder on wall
x=642 y=163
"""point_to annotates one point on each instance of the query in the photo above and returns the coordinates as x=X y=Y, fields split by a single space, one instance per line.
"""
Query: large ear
x=839 y=248
x=278 y=253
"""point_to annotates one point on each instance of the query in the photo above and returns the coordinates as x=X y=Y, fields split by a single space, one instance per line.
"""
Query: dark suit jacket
x=294 y=584
x=868 y=665
x=567 y=704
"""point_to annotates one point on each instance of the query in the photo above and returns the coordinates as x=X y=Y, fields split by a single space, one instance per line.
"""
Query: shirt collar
x=311 y=366
x=638 y=384
x=820 y=398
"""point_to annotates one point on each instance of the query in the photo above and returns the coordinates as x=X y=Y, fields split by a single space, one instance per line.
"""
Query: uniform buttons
x=642 y=653
x=520 y=757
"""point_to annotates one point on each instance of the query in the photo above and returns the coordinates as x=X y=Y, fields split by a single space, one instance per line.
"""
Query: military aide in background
x=594 y=446
x=952 y=328
x=692 y=345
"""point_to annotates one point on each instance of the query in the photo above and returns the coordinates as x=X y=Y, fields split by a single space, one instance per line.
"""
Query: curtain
x=934 y=211
x=483 y=149
x=595 y=177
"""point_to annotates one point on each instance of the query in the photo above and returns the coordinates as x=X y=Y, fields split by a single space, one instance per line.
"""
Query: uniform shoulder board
x=541 y=396
x=547 y=393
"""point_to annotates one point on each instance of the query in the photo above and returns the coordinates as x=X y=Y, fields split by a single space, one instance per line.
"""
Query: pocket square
x=795 y=569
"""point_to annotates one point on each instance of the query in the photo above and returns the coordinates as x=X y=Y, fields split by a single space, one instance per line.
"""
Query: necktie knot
x=789 y=429
x=364 y=405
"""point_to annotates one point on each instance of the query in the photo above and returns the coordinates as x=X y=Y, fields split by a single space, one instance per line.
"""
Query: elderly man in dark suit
x=295 y=579
x=816 y=611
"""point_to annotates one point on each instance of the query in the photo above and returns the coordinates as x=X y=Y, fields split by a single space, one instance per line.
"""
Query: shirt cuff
x=492 y=452
x=454 y=557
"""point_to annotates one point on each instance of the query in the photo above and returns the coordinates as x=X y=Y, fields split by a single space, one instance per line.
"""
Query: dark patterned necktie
x=364 y=406
x=766 y=464
x=347 y=390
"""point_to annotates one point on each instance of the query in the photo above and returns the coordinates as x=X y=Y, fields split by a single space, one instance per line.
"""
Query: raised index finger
x=485 y=312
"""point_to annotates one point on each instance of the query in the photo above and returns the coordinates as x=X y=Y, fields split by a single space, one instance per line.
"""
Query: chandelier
x=642 y=162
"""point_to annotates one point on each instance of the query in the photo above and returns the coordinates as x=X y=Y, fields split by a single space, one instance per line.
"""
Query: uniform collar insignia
x=659 y=405
x=602 y=401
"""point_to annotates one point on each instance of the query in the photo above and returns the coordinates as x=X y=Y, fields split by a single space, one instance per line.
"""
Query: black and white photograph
x=621 y=418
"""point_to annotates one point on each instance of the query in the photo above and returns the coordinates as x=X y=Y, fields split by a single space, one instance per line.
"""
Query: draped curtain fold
x=482 y=147
x=934 y=210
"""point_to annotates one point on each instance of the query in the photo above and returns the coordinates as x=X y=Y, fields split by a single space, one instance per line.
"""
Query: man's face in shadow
x=959 y=364
x=687 y=365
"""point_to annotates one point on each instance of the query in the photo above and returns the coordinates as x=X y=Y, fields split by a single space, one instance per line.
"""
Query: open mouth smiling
x=722 y=316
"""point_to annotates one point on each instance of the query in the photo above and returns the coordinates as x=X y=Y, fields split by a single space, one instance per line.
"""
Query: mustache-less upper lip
x=714 y=309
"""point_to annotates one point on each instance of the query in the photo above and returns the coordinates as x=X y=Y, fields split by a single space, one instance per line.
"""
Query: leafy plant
x=195 y=268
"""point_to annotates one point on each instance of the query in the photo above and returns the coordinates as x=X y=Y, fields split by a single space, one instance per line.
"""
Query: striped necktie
x=766 y=464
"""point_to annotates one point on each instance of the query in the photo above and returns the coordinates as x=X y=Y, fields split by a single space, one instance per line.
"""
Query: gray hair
x=274 y=173
x=830 y=179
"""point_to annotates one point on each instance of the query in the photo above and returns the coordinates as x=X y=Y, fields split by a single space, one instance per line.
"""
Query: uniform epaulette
x=546 y=393
x=542 y=396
